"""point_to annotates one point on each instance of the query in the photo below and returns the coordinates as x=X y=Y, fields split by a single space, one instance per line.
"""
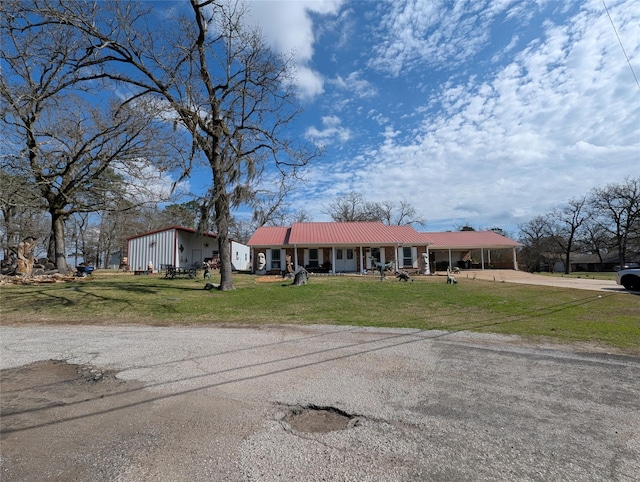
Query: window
x=338 y=254
x=375 y=254
x=349 y=253
x=275 y=259
x=407 y=260
x=313 y=258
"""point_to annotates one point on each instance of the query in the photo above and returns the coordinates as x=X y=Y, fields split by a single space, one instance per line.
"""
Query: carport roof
x=470 y=240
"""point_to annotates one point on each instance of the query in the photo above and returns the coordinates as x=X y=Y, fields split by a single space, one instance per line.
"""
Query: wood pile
x=36 y=279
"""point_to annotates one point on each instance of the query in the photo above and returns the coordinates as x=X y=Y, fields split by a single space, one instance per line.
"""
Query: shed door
x=196 y=257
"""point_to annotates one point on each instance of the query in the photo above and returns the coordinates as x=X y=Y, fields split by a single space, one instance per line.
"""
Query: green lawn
x=554 y=314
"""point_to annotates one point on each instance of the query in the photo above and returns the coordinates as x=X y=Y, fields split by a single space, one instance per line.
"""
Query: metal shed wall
x=158 y=248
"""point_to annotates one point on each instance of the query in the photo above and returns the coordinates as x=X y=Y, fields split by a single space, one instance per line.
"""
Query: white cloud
x=561 y=118
x=331 y=131
x=289 y=28
x=415 y=33
x=355 y=84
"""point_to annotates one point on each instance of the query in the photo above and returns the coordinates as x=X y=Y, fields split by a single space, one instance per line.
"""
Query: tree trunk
x=222 y=214
x=57 y=231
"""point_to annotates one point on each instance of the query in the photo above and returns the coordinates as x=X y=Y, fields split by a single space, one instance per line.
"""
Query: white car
x=629 y=278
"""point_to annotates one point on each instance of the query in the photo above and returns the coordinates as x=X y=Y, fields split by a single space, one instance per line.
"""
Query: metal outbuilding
x=181 y=247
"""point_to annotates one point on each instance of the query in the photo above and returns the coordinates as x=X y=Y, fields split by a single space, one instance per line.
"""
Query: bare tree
x=352 y=207
x=406 y=214
x=223 y=85
x=564 y=225
x=618 y=209
x=538 y=248
x=269 y=206
x=62 y=143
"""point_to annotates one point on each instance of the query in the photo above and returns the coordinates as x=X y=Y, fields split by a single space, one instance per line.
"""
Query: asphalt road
x=221 y=404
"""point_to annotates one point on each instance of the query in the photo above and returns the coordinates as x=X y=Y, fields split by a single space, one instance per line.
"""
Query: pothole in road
x=317 y=419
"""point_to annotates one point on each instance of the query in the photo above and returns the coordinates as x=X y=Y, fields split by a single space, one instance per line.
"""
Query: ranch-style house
x=334 y=247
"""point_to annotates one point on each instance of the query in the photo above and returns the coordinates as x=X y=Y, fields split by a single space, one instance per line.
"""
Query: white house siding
x=196 y=248
x=240 y=257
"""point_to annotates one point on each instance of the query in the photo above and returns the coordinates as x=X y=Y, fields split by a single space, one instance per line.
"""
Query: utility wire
x=620 y=42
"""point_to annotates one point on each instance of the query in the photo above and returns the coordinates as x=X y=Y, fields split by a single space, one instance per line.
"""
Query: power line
x=620 y=42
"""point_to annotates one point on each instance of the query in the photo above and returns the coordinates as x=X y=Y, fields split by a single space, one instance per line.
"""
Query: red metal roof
x=332 y=233
x=470 y=240
x=374 y=233
x=270 y=236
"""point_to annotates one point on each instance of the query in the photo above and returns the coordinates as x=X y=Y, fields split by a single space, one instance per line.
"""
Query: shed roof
x=170 y=228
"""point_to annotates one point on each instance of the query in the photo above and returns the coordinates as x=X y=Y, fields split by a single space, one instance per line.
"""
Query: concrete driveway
x=312 y=403
x=522 y=277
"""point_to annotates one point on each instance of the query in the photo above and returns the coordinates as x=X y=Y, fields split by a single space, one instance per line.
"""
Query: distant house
x=593 y=262
x=181 y=247
x=353 y=247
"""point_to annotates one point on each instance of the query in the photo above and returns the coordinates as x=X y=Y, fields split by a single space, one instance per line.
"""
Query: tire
x=631 y=282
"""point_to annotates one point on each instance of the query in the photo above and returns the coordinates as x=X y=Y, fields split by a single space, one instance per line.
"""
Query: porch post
x=333 y=259
x=515 y=262
x=450 y=267
x=482 y=256
x=295 y=257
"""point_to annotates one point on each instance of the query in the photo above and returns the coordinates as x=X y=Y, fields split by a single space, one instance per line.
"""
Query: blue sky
x=485 y=112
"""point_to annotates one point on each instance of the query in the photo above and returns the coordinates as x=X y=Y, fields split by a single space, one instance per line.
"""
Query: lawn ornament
x=262 y=263
x=424 y=264
x=382 y=267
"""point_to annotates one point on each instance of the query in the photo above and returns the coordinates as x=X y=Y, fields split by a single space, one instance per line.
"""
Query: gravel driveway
x=312 y=403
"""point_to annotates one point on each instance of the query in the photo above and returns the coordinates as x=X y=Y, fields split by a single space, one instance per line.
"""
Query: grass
x=537 y=312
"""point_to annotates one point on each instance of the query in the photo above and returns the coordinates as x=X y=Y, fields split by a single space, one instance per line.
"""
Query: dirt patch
x=42 y=386
x=269 y=279
x=314 y=419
